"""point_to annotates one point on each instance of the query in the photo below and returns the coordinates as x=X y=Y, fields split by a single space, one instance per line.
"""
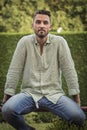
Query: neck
x=41 y=41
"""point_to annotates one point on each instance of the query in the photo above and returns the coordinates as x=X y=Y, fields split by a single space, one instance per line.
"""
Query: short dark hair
x=44 y=12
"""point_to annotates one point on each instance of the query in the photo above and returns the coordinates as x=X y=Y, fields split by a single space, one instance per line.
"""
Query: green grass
x=38 y=126
x=41 y=126
x=5 y=126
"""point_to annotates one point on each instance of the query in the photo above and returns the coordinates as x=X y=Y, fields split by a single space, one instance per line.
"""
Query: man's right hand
x=5 y=98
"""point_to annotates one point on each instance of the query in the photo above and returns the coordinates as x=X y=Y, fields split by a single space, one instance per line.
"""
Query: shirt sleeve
x=68 y=68
x=15 y=69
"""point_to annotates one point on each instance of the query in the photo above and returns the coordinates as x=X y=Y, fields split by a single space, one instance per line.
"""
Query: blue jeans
x=20 y=104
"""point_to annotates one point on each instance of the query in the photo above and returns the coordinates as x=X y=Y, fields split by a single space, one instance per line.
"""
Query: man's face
x=41 y=25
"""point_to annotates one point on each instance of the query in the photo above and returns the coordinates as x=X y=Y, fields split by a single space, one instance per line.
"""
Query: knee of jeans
x=6 y=111
x=79 y=117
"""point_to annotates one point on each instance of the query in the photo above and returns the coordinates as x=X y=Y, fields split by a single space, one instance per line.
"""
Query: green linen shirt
x=41 y=74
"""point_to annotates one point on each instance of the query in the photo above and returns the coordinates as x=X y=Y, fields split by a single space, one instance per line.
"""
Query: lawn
x=30 y=119
x=38 y=126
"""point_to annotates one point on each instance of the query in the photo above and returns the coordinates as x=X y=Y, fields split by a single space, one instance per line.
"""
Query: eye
x=38 y=21
x=45 y=22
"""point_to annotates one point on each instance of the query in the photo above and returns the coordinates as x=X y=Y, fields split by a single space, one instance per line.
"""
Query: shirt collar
x=47 y=42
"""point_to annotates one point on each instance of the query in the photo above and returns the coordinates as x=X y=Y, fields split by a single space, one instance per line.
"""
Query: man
x=40 y=58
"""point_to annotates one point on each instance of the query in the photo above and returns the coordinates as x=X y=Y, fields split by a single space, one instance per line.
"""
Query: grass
x=5 y=126
x=41 y=126
x=30 y=119
x=38 y=126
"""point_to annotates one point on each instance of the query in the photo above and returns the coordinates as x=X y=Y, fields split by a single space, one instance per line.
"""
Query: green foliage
x=5 y=126
x=55 y=123
x=32 y=118
x=46 y=117
x=59 y=124
x=67 y=23
x=39 y=117
x=16 y=16
x=38 y=126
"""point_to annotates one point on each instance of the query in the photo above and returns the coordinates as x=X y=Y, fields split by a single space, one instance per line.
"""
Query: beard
x=41 y=33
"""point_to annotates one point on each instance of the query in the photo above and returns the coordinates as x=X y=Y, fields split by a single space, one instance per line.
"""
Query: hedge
x=77 y=43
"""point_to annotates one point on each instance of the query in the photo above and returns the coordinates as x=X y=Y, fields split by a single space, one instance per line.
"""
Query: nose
x=41 y=24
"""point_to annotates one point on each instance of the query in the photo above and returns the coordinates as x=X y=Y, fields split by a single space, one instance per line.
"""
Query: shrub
x=60 y=124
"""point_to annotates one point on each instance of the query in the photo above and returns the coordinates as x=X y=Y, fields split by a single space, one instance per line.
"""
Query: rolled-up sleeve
x=68 y=68
x=15 y=69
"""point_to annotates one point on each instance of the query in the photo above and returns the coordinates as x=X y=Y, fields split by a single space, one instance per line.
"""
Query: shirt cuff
x=9 y=91
x=74 y=91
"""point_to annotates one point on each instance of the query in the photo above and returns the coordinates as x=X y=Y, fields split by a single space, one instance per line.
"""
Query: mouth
x=41 y=31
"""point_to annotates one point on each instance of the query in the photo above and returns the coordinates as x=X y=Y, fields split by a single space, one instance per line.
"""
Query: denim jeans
x=20 y=104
